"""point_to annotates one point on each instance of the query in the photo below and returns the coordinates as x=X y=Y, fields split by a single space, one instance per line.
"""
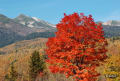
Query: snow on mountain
x=112 y=23
x=33 y=22
x=36 y=19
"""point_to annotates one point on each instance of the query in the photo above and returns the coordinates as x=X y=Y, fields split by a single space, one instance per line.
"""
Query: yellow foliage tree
x=112 y=68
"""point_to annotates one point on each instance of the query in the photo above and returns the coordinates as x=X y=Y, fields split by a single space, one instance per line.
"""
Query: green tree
x=12 y=76
x=36 y=65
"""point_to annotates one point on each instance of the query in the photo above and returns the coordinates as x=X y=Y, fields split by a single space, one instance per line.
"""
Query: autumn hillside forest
x=77 y=48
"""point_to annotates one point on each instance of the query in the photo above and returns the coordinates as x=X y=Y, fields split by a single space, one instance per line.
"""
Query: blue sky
x=52 y=10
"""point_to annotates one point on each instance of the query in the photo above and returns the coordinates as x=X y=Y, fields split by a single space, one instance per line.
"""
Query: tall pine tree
x=36 y=65
x=13 y=75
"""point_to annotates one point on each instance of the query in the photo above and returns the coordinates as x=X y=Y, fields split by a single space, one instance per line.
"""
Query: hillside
x=24 y=46
x=20 y=53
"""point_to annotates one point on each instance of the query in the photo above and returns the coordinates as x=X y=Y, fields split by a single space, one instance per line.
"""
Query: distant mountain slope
x=12 y=30
x=111 y=31
x=7 y=37
x=39 y=35
x=13 y=26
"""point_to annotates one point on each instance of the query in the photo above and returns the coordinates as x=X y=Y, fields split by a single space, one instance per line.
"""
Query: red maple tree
x=78 y=47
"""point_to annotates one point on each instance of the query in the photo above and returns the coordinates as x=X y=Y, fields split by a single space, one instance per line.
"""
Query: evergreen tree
x=36 y=65
x=12 y=76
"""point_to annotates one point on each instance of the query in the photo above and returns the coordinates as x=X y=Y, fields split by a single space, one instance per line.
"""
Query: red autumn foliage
x=78 y=47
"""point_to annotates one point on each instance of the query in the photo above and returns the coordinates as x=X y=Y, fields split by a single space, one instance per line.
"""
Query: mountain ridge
x=11 y=30
x=32 y=21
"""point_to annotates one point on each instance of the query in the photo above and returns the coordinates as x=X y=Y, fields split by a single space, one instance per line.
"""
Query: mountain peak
x=22 y=15
x=33 y=22
x=23 y=19
x=112 y=23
